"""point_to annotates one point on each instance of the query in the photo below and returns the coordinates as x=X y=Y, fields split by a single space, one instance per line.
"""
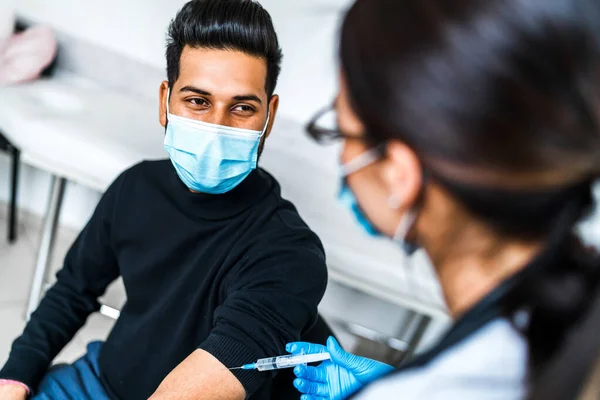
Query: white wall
x=133 y=27
x=137 y=29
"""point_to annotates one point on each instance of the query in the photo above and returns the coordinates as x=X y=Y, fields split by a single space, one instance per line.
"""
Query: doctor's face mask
x=323 y=128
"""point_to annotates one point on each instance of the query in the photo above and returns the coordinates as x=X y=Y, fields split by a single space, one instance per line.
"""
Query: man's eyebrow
x=194 y=90
x=248 y=97
x=245 y=97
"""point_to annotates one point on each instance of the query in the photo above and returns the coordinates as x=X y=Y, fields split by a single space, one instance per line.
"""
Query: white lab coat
x=491 y=364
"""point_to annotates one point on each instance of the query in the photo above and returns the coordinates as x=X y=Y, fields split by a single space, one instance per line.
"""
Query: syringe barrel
x=266 y=364
x=289 y=361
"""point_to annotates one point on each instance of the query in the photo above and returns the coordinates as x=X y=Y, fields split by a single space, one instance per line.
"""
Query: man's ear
x=163 y=98
x=273 y=106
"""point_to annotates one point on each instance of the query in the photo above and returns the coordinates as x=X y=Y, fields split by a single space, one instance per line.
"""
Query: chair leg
x=411 y=332
x=14 y=186
x=42 y=266
x=422 y=323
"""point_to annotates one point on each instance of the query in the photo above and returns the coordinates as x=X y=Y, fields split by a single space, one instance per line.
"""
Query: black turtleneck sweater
x=238 y=275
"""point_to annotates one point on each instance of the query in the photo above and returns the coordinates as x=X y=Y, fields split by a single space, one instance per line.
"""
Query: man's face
x=222 y=87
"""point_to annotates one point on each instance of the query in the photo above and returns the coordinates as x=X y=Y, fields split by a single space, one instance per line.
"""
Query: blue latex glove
x=336 y=379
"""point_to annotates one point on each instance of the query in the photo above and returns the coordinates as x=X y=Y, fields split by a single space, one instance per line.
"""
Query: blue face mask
x=349 y=200
x=211 y=158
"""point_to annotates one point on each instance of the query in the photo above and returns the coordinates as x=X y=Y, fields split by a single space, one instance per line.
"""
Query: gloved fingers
x=339 y=355
x=311 y=397
x=305 y=348
x=360 y=367
x=314 y=374
x=313 y=388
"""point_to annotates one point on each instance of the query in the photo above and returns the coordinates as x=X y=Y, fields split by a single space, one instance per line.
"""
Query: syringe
x=287 y=361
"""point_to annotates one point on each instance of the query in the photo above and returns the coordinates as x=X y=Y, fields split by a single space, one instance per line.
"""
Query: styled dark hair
x=242 y=25
x=509 y=87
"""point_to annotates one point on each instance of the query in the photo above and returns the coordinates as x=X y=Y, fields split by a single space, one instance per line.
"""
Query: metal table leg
x=57 y=189
x=398 y=348
x=422 y=323
x=410 y=333
x=14 y=184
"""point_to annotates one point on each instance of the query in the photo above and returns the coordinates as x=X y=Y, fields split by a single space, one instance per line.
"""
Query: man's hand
x=199 y=377
x=12 y=392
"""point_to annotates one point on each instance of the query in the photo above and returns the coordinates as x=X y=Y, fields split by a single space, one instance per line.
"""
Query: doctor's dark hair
x=512 y=88
x=240 y=25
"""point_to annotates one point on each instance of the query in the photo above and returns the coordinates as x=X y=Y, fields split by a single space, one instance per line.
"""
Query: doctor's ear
x=163 y=94
x=402 y=174
x=273 y=106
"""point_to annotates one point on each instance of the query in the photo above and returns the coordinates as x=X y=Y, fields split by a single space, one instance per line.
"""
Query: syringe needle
x=236 y=368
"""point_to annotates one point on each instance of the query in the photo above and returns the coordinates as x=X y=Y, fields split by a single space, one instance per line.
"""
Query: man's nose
x=220 y=116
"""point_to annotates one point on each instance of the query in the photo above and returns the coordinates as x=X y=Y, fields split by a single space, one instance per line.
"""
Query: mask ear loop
x=408 y=219
x=259 y=138
x=406 y=223
x=168 y=98
x=361 y=161
x=264 y=130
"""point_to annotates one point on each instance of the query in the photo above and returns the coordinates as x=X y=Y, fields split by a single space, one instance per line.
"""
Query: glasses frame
x=320 y=134
x=328 y=136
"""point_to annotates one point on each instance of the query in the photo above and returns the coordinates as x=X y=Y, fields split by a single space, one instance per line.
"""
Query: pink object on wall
x=24 y=55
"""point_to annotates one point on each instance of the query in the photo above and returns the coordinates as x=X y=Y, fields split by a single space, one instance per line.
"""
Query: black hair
x=241 y=25
x=509 y=87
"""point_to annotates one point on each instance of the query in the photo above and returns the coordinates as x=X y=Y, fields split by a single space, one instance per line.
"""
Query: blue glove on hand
x=336 y=379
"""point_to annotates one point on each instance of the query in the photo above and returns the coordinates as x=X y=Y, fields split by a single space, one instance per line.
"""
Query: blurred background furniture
x=14 y=154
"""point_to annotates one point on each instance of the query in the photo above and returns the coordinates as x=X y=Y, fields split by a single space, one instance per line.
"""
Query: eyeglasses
x=324 y=129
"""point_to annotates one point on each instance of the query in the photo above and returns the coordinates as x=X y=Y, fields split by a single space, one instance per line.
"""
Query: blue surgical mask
x=349 y=200
x=211 y=158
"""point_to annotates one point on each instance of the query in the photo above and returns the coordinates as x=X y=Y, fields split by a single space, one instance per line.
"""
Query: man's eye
x=244 y=108
x=198 y=102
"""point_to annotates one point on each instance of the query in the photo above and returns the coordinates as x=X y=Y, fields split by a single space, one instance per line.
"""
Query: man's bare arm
x=200 y=377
